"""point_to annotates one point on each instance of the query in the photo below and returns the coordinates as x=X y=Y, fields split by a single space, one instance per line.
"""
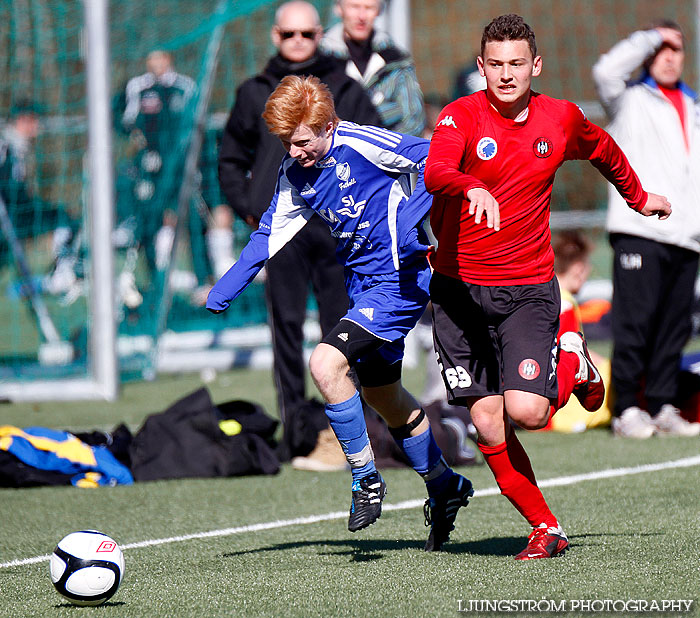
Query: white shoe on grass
x=669 y=422
x=633 y=423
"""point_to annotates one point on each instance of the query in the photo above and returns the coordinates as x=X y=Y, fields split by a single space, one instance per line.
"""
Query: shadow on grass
x=598 y=538
x=509 y=546
x=105 y=604
x=360 y=550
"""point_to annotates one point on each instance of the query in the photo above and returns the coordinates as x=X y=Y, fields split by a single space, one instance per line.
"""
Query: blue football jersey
x=369 y=189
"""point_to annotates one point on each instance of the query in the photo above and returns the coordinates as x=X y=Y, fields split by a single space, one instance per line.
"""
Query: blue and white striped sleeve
x=287 y=214
x=388 y=150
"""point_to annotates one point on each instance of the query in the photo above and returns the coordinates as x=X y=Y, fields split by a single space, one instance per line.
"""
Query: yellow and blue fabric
x=60 y=451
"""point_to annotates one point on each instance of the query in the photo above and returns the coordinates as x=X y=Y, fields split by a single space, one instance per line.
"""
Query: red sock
x=567 y=367
x=511 y=468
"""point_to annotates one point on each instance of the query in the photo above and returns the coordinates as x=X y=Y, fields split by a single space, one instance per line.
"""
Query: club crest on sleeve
x=542 y=147
x=529 y=369
x=486 y=148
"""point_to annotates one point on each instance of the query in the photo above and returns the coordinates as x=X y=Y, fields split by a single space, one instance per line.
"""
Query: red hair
x=296 y=101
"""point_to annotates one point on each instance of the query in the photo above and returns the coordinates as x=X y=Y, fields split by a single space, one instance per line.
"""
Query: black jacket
x=248 y=147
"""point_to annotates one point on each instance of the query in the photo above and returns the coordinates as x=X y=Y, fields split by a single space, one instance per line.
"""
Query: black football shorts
x=490 y=339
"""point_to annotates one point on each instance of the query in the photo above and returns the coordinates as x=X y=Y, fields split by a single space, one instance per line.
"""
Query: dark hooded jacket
x=250 y=156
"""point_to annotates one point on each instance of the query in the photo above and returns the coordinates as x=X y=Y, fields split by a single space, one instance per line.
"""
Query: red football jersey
x=474 y=146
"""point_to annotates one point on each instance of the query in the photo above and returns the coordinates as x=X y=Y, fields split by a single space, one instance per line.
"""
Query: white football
x=86 y=567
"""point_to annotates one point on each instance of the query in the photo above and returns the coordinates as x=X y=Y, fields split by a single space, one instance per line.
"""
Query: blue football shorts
x=383 y=309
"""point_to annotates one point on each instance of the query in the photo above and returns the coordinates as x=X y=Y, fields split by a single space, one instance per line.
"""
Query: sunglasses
x=285 y=35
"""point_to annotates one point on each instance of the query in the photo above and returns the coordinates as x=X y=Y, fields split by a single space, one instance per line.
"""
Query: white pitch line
x=399 y=506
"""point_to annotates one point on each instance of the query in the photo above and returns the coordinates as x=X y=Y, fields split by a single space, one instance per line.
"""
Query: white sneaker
x=670 y=423
x=633 y=423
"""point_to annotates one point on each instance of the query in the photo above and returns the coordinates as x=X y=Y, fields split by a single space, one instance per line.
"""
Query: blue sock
x=426 y=458
x=348 y=422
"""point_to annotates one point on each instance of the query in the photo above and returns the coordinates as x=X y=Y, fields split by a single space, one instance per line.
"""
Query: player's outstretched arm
x=291 y=214
x=480 y=202
x=237 y=278
x=656 y=205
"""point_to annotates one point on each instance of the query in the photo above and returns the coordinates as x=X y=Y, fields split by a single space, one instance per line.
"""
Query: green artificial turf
x=633 y=536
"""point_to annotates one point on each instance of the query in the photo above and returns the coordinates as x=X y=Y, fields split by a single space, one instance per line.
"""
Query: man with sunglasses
x=249 y=159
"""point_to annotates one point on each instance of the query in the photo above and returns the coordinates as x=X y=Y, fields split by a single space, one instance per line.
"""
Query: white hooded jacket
x=647 y=127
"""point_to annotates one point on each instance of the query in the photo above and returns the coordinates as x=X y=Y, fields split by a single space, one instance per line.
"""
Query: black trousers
x=307 y=261
x=653 y=287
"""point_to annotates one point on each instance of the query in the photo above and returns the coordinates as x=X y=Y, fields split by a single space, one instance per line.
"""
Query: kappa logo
x=368 y=312
x=308 y=190
x=343 y=336
x=486 y=148
x=529 y=369
x=447 y=121
x=342 y=171
x=542 y=147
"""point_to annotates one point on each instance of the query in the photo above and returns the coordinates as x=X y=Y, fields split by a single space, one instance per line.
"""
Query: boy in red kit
x=495 y=299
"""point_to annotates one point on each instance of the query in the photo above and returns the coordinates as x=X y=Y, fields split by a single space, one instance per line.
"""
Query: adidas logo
x=343 y=336
x=447 y=121
x=308 y=190
x=368 y=312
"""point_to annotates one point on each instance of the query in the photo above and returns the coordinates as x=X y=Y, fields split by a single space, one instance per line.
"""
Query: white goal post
x=103 y=380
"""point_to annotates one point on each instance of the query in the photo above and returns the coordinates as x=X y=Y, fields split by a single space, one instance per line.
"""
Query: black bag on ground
x=252 y=418
x=302 y=428
x=15 y=473
x=186 y=441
